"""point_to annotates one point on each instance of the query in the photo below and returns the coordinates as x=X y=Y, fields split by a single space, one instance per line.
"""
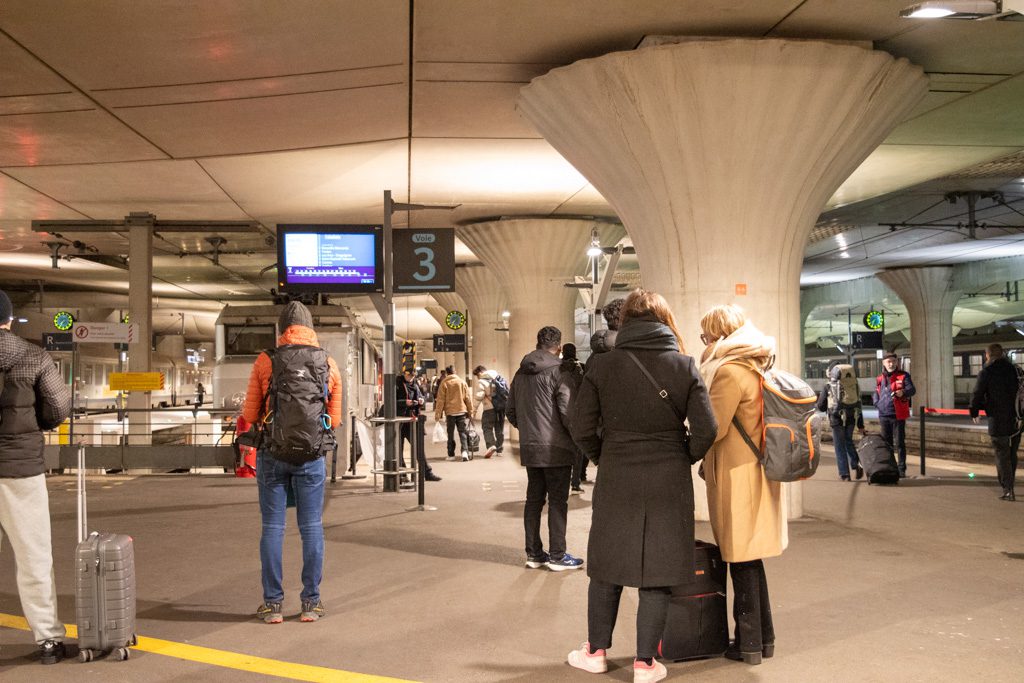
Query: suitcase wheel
x=134 y=640
x=85 y=656
x=123 y=653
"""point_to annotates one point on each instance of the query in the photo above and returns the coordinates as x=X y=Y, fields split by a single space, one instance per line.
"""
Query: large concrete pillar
x=930 y=299
x=532 y=259
x=719 y=155
x=140 y=311
x=485 y=300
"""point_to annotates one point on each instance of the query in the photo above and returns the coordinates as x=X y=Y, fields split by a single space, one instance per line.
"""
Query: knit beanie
x=294 y=313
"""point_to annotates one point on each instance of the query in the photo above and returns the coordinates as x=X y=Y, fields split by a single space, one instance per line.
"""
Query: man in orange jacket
x=296 y=435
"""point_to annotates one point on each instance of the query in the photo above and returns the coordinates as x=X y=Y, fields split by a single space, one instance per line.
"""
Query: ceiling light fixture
x=963 y=9
x=594 y=250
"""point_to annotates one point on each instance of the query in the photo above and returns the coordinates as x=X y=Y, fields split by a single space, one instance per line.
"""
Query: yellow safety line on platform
x=229 y=660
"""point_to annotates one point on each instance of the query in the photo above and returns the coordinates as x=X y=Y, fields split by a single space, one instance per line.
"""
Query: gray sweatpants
x=25 y=519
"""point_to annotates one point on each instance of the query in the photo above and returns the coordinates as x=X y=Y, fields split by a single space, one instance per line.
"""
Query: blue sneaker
x=538 y=562
x=567 y=561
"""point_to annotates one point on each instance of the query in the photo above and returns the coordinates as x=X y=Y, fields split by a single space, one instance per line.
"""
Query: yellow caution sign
x=136 y=381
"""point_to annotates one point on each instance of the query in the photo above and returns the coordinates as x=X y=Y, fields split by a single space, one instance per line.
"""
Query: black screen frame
x=332 y=229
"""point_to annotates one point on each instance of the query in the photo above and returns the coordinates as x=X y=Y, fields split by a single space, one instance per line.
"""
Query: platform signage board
x=58 y=341
x=126 y=333
x=136 y=381
x=449 y=342
x=424 y=260
x=868 y=340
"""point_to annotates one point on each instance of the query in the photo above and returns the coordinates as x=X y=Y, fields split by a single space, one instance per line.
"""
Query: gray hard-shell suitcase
x=104 y=586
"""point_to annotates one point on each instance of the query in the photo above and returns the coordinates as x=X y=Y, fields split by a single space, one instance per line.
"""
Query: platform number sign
x=424 y=260
x=874 y=320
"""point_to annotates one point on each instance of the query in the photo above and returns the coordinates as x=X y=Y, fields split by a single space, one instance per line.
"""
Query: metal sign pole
x=390 y=454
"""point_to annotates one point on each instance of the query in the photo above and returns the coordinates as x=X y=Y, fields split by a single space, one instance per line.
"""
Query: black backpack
x=297 y=428
x=499 y=393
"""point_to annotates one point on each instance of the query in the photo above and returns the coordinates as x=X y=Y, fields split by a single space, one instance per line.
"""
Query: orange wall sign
x=741 y=289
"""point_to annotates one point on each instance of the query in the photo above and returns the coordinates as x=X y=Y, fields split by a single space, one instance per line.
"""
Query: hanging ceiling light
x=963 y=9
x=595 y=245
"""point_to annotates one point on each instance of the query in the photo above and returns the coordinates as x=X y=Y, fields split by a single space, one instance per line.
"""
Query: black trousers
x=492 y=422
x=603 y=607
x=1006 y=460
x=751 y=608
x=549 y=484
x=460 y=423
x=421 y=449
x=895 y=434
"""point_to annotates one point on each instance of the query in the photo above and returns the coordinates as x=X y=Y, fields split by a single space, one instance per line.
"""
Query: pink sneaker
x=642 y=673
x=594 y=662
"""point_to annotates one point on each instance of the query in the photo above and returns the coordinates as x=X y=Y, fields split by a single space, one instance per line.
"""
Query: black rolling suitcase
x=697 y=624
x=878 y=460
x=104 y=586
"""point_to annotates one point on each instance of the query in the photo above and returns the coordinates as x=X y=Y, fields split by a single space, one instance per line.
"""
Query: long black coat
x=642 y=528
x=996 y=394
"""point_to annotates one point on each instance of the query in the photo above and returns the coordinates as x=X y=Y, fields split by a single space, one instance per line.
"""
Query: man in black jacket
x=996 y=394
x=33 y=397
x=410 y=404
x=538 y=406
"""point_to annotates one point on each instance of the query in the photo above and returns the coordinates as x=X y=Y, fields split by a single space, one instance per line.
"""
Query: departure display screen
x=330 y=258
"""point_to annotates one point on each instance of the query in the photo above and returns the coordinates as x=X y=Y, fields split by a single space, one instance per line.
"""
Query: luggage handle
x=83 y=523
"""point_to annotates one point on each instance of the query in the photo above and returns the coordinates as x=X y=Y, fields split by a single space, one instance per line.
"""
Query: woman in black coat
x=642 y=529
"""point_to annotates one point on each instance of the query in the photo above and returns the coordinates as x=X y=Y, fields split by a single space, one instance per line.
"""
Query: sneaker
x=466 y=457
x=51 y=652
x=312 y=611
x=566 y=562
x=491 y=450
x=576 y=490
x=538 y=562
x=845 y=477
x=270 y=612
x=860 y=472
x=595 y=662
x=450 y=458
x=648 y=673
x=430 y=476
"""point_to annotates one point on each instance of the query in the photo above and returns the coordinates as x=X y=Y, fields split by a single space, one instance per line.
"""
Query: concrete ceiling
x=285 y=111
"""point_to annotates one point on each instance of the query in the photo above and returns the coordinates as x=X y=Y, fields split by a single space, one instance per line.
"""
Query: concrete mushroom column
x=719 y=155
x=532 y=259
x=485 y=300
x=930 y=299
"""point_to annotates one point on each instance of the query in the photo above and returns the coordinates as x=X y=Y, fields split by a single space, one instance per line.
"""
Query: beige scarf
x=747 y=343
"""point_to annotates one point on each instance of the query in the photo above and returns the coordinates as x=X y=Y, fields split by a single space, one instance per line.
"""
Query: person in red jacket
x=893 y=389
x=276 y=476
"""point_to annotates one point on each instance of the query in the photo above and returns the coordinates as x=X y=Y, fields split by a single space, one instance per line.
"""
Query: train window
x=977 y=361
x=958 y=366
x=245 y=340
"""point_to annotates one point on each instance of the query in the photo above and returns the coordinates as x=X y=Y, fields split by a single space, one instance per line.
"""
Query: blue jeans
x=846 y=450
x=273 y=478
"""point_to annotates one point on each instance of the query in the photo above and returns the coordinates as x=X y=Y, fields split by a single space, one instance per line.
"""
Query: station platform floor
x=920 y=582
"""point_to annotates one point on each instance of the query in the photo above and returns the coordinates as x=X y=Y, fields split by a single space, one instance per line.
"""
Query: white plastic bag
x=440 y=433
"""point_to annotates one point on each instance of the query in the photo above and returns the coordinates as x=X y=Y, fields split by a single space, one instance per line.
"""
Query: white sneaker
x=450 y=458
x=648 y=674
x=490 y=451
x=465 y=456
x=595 y=663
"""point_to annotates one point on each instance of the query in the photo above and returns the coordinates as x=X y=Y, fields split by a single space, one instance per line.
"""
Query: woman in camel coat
x=746 y=509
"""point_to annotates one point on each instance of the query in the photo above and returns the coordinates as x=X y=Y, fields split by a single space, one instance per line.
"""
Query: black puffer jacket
x=538 y=406
x=34 y=398
x=996 y=393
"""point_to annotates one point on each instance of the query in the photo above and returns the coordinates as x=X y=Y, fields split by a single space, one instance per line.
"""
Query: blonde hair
x=641 y=303
x=721 y=321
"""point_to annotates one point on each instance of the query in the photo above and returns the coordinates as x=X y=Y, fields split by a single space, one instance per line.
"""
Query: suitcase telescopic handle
x=82 y=514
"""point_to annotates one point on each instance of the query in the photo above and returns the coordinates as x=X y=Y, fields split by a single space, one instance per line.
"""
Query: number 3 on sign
x=426 y=255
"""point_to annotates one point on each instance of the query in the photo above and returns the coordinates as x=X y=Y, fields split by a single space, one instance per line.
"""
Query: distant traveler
x=642 y=529
x=538 y=406
x=454 y=404
x=893 y=389
x=200 y=393
x=33 y=398
x=996 y=392
x=491 y=393
x=745 y=506
x=840 y=400
x=296 y=397
x=572 y=374
x=603 y=341
x=410 y=402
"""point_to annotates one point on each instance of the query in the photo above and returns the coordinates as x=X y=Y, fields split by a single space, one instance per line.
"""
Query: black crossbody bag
x=663 y=393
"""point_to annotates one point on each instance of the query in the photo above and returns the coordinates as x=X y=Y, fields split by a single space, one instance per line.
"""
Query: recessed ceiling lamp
x=963 y=9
